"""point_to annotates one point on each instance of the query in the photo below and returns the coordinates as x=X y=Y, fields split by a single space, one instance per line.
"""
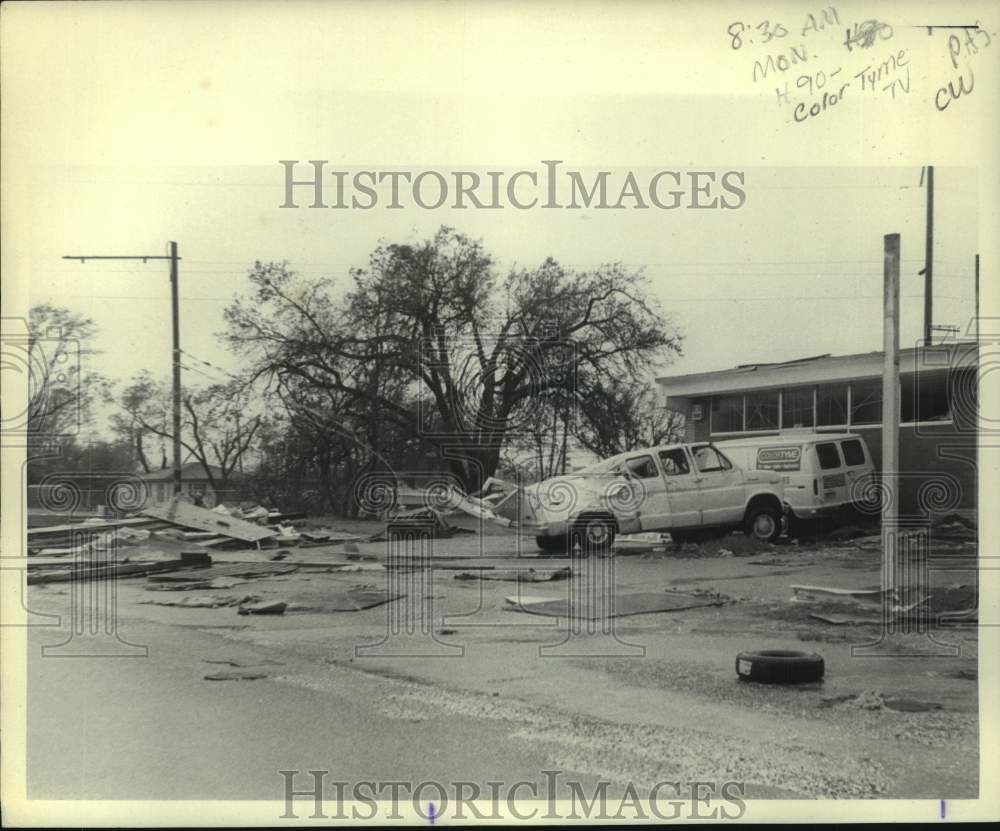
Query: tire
x=763 y=523
x=552 y=545
x=595 y=535
x=779 y=666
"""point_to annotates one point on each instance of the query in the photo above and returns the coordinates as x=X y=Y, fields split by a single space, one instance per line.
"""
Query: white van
x=821 y=472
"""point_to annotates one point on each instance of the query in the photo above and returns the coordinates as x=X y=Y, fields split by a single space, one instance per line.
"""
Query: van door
x=832 y=477
x=859 y=472
x=654 y=508
x=721 y=485
x=683 y=496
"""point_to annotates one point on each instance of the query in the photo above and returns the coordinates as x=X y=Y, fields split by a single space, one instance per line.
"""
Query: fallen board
x=248 y=570
x=528 y=575
x=624 y=605
x=118 y=571
x=351 y=600
x=109 y=525
x=201 y=519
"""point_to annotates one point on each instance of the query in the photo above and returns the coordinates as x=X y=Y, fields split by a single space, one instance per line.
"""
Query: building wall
x=937 y=460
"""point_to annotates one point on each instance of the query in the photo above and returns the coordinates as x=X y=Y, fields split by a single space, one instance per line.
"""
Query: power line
x=174 y=259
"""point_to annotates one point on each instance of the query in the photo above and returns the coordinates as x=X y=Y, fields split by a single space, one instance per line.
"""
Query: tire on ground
x=779 y=666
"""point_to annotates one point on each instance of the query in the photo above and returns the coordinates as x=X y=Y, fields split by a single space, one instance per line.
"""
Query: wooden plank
x=54 y=530
x=202 y=519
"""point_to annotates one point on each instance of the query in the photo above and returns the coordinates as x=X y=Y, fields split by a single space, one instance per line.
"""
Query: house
x=827 y=393
x=194 y=483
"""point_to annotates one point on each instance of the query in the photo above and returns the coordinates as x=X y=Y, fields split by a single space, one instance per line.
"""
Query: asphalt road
x=493 y=708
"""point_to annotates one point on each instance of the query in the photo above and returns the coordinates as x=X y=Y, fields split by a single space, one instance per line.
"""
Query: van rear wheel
x=763 y=523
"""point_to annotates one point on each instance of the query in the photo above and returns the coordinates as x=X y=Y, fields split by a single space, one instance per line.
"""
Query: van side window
x=854 y=453
x=674 y=462
x=642 y=467
x=828 y=455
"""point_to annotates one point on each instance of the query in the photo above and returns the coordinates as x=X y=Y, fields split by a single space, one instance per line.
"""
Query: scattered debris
x=236 y=662
x=877 y=700
x=235 y=676
x=355 y=599
x=912 y=705
x=841 y=620
x=615 y=606
x=187 y=515
x=528 y=575
x=211 y=601
x=812 y=594
x=276 y=607
x=109 y=570
x=131 y=535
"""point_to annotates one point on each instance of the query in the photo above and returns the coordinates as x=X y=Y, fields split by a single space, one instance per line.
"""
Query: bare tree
x=435 y=318
x=217 y=429
x=618 y=415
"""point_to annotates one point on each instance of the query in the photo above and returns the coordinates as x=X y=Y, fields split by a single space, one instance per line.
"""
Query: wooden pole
x=929 y=260
x=890 y=409
x=175 y=310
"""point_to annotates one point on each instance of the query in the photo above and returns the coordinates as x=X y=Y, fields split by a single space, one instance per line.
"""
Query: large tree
x=436 y=320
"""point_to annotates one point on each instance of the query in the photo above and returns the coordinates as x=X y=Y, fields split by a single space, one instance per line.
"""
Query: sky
x=139 y=127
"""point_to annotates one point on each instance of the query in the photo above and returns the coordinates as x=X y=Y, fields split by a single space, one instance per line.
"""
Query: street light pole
x=175 y=309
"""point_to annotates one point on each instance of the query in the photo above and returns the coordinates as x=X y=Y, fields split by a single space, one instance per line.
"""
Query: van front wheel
x=763 y=523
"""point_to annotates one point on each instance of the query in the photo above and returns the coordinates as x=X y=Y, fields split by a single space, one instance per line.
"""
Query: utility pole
x=929 y=260
x=977 y=297
x=174 y=306
x=175 y=312
x=890 y=411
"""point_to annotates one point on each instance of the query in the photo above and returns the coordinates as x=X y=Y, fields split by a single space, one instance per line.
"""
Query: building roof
x=817 y=370
x=190 y=472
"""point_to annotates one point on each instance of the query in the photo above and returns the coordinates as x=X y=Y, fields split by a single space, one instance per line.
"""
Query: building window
x=831 y=405
x=866 y=401
x=762 y=411
x=797 y=407
x=727 y=414
x=924 y=397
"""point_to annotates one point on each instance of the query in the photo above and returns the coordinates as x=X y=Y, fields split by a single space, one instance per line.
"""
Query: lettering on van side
x=779 y=458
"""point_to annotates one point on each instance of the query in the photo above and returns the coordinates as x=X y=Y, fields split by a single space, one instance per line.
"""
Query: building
x=194 y=483
x=826 y=393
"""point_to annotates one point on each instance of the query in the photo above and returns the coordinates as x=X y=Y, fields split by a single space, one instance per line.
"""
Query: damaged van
x=822 y=473
x=685 y=489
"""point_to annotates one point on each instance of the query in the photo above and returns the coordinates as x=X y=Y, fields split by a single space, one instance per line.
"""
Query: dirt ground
x=454 y=680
